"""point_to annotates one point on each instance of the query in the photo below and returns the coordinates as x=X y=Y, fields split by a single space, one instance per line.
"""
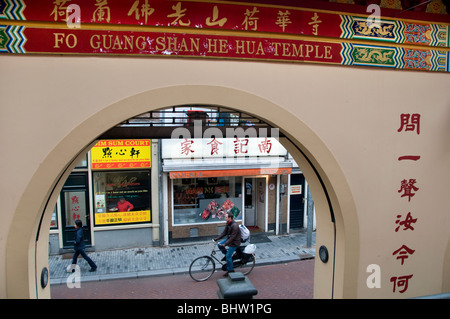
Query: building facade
x=359 y=96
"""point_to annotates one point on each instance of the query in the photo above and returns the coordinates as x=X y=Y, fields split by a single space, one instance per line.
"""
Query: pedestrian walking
x=79 y=246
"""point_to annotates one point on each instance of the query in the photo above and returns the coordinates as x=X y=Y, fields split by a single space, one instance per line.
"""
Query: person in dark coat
x=233 y=240
x=79 y=246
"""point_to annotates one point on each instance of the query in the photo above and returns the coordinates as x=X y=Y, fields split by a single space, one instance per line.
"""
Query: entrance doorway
x=297 y=202
x=255 y=200
x=75 y=205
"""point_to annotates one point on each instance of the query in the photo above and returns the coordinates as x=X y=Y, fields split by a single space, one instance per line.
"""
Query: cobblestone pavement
x=152 y=261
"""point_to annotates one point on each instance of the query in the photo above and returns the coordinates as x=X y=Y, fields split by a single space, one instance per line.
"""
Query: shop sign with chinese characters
x=122 y=217
x=222 y=147
x=220 y=30
x=121 y=154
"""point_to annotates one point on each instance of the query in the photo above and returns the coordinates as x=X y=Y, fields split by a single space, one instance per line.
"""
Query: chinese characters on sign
x=182 y=14
x=403 y=253
x=75 y=203
x=218 y=147
x=409 y=123
x=265 y=146
x=141 y=11
x=406 y=223
x=283 y=19
x=408 y=188
x=187 y=14
x=315 y=24
x=251 y=20
x=292 y=34
x=102 y=13
x=120 y=154
x=214 y=146
x=122 y=217
x=75 y=207
x=240 y=145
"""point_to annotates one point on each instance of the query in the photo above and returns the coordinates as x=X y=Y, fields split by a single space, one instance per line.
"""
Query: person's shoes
x=71 y=268
x=93 y=269
x=226 y=273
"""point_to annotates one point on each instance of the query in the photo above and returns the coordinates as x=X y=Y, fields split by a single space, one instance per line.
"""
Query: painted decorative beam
x=222 y=30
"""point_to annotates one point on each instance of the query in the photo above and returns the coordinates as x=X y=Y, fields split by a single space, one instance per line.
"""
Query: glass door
x=297 y=201
x=249 y=202
x=74 y=205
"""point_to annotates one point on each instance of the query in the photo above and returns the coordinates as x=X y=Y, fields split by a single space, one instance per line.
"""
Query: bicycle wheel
x=202 y=268
x=245 y=268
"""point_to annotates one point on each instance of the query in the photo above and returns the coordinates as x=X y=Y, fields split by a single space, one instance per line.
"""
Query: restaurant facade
x=110 y=192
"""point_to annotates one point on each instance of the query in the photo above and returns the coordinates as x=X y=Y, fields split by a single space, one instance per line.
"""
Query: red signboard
x=157 y=43
x=187 y=14
x=220 y=30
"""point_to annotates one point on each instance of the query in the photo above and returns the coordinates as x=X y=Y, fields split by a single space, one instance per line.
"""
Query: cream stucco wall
x=345 y=120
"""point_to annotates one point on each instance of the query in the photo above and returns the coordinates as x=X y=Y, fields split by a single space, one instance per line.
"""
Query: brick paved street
x=292 y=280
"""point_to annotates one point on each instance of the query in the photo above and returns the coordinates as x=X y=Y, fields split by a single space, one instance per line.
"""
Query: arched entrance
x=337 y=222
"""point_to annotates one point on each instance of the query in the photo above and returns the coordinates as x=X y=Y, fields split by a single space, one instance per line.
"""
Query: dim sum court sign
x=218 y=30
x=121 y=154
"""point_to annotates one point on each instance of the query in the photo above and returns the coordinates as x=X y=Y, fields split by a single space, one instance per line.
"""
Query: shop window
x=54 y=220
x=122 y=197
x=83 y=163
x=206 y=200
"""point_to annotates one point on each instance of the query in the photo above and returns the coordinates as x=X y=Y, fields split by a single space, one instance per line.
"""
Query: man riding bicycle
x=233 y=241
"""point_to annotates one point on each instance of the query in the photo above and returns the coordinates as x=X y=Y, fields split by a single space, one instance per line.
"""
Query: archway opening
x=211 y=160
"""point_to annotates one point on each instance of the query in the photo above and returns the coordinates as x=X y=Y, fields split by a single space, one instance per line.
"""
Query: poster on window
x=122 y=197
x=206 y=200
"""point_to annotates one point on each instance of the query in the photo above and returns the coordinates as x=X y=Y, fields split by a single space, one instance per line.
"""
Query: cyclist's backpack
x=245 y=233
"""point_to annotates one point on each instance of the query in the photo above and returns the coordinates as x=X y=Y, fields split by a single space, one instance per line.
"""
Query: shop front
x=201 y=188
x=110 y=191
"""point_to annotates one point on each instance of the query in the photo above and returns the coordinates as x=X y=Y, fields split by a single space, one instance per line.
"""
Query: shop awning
x=198 y=168
x=230 y=172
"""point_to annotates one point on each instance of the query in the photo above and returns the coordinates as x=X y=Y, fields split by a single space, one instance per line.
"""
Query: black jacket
x=79 y=239
x=233 y=234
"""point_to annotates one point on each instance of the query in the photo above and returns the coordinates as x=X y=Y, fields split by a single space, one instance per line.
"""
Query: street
x=293 y=280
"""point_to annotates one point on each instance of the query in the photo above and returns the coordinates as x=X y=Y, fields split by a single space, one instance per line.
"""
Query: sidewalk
x=175 y=259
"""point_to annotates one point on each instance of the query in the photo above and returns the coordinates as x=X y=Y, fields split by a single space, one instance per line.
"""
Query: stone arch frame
x=337 y=222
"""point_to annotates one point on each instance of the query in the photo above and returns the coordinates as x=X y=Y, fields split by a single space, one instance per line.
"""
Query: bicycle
x=203 y=267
